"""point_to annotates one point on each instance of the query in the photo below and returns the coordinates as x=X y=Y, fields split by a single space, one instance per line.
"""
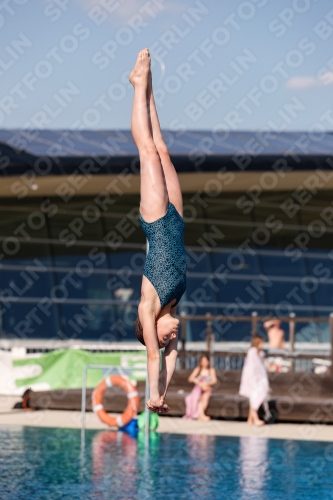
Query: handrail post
x=254 y=323
x=331 y=332
x=147 y=414
x=183 y=339
x=208 y=332
x=292 y=339
x=83 y=399
x=147 y=388
x=212 y=349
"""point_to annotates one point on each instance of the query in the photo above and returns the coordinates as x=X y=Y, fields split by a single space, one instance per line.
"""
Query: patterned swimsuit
x=165 y=265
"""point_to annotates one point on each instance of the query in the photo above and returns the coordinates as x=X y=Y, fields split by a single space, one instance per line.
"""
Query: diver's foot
x=259 y=423
x=140 y=72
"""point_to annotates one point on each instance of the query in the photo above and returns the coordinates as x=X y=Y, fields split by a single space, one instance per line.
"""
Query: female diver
x=161 y=209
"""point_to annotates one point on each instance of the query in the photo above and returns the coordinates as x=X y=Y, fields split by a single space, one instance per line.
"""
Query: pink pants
x=192 y=402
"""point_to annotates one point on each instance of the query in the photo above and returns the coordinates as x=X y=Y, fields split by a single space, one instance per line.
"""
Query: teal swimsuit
x=165 y=265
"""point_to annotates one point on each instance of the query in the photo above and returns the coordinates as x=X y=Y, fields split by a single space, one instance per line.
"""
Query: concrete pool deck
x=72 y=420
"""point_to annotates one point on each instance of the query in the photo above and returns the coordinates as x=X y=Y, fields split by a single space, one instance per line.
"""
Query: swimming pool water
x=47 y=464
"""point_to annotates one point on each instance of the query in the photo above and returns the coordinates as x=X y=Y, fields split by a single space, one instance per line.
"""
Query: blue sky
x=216 y=64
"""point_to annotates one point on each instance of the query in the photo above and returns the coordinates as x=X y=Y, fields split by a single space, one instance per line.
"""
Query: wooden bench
x=294 y=397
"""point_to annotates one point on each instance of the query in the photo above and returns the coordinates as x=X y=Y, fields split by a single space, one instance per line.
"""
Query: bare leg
x=153 y=189
x=250 y=416
x=203 y=404
x=171 y=177
x=254 y=418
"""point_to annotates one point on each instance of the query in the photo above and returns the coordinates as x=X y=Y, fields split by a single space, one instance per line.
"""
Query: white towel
x=254 y=382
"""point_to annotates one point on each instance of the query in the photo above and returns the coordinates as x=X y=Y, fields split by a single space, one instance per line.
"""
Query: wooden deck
x=302 y=397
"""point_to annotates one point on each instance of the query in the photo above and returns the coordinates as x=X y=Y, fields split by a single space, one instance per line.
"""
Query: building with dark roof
x=258 y=209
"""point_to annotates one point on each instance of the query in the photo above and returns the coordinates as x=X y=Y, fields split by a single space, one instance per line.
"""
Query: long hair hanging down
x=204 y=355
x=256 y=341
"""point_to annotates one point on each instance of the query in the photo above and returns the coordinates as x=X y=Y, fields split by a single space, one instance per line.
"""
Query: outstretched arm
x=147 y=318
x=168 y=362
x=168 y=366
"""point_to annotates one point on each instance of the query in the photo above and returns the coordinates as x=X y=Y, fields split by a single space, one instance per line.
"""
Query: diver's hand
x=158 y=407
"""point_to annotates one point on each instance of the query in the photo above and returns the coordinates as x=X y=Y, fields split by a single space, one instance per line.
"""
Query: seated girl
x=203 y=378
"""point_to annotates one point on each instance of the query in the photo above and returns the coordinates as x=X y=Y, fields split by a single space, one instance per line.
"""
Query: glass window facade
x=72 y=270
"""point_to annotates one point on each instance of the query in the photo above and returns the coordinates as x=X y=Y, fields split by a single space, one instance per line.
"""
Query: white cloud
x=302 y=82
x=307 y=82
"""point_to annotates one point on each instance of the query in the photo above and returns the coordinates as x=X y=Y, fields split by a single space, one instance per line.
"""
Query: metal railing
x=225 y=355
x=291 y=355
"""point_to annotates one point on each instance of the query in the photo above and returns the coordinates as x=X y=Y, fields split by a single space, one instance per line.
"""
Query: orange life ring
x=132 y=405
